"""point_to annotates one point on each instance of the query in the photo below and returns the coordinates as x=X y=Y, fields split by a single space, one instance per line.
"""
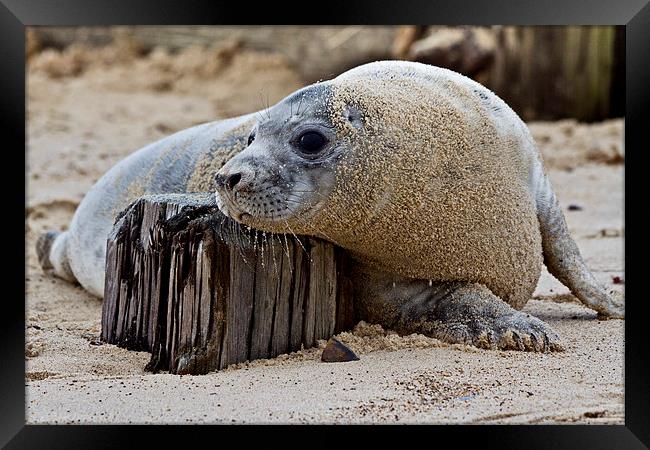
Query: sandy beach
x=87 y=110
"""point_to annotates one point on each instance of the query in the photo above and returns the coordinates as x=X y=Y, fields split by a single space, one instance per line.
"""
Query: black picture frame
x=15 y=15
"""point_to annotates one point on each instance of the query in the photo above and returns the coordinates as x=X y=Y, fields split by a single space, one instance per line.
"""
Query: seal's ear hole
x=354 y=116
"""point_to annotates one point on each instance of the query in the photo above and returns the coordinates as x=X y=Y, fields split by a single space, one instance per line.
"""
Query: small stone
x=336 y=351
x=574 y=207
x=608 y=232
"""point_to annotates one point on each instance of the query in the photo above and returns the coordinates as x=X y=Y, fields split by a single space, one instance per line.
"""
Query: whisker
x=262 y=103
x=277 y=236
x=310 y=192
x=299 y=241
x=234 y=232
x=299 y=104
x=286 y=246
x=262 y=246
x=272 y=250
x=301 y=182
x=295 y=216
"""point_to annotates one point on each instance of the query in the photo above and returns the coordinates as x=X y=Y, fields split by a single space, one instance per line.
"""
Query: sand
x=82 y=122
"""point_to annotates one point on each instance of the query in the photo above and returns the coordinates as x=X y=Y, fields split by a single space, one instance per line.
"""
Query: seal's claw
x=471 y=314
x=517 y=331
x=611 y=315
x=615 y=310
x=520 y=331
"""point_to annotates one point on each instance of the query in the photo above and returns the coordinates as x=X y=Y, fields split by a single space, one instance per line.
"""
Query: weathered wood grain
x=200 y=292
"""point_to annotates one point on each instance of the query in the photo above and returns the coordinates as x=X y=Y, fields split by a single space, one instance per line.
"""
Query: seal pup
x=436 y=188
x=431 y=182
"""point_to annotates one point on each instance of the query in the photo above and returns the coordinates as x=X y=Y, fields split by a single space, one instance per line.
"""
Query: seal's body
x=183 y=162
x=448 y=177
x=431 y=182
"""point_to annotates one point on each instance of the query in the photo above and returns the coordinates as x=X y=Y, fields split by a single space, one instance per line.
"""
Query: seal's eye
x=311 y=142
x=251 y=138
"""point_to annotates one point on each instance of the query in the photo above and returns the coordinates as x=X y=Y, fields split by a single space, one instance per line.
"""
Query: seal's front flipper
x=563 y=260
x=469 y=313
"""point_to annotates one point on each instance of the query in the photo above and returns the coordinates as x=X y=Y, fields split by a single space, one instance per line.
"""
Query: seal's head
x=358 y=153
x=285 y=176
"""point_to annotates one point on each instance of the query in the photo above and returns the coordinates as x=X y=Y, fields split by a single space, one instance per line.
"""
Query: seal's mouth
x=237 y=211
x=229 y=209
x=286 y=207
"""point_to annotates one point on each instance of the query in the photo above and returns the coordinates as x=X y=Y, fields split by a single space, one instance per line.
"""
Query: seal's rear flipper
x=52 y=254
x=43 y=246
x=562 y=256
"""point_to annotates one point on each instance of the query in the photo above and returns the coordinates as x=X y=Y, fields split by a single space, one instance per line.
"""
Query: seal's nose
x=232 y=180
x=219 y=180
x=227 y=181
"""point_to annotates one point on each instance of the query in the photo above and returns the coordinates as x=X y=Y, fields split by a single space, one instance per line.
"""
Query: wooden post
x=201 y=292
x=552 y=72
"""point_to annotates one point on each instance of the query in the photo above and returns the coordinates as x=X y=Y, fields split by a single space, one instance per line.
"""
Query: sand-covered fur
x=436 y=187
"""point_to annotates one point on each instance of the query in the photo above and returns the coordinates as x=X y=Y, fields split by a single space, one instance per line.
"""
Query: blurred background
x=543 y=72
x=94 y=95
